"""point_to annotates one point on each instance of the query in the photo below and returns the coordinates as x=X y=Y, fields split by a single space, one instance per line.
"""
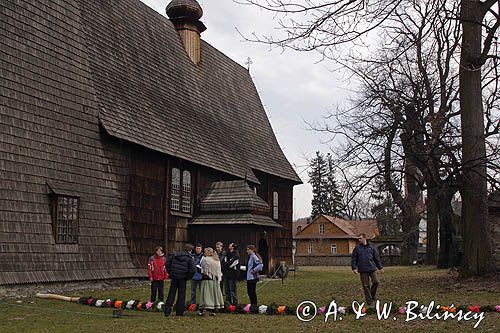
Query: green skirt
x=211 y=295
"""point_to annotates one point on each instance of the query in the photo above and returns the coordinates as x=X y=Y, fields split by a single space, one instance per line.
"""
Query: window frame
x=179 y=191
x=321 y=228
x=333 y=246
x=186 y=192
x=310 y=248
x=175 y=189
x=275 y=205
x=68 y=224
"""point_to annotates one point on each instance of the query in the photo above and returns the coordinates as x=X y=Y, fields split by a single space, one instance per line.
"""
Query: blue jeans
x=195 y=284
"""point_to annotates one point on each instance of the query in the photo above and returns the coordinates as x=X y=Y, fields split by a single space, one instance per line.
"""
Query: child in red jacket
x=157 y=273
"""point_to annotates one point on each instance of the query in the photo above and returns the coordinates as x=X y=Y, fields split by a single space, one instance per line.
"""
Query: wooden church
x=122 y=130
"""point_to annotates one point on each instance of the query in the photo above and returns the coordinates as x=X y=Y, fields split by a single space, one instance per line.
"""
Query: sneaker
x=200 y=313
x=212 y=314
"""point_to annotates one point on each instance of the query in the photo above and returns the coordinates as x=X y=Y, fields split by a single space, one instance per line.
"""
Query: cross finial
x=248 y=63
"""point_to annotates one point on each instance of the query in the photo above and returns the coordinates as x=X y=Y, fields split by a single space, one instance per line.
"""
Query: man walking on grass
x=365 y=260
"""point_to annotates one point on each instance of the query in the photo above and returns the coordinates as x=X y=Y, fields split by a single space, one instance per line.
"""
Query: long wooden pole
x=59 y=297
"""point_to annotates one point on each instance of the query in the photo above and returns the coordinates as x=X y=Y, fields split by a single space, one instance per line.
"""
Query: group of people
x=212 y=272
x=215 y=273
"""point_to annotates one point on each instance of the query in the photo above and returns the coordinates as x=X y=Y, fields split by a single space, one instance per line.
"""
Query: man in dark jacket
x=231 y=270
x=181 y=267
x=365 y=260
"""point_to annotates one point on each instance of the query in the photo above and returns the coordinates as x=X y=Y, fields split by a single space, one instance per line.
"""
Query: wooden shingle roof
x=235 y=219
x=231 y=196
x=150 y=93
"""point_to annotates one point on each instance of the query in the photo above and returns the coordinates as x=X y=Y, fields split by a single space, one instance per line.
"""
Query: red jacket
x=156 y=268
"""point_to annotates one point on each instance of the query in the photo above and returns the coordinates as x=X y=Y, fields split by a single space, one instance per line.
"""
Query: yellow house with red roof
x=330 y=236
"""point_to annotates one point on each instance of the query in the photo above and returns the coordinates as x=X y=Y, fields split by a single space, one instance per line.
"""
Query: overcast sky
x=294 y=88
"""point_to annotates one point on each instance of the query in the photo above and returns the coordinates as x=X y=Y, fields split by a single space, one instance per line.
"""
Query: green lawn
x=321 y=285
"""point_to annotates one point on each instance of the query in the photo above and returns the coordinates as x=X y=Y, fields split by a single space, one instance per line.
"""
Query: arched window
x=309 y=248
x=175 y=191
x=186 y=192
x=333 y=248
x=275 y=205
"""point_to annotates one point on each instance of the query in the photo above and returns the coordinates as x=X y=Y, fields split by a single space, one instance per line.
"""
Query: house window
x=66 y=215
x=299 y=228
x=175 y=192
x=275 y=205
x=309 y=248
x=334 y=248
x=186 y=192
x=321 y=228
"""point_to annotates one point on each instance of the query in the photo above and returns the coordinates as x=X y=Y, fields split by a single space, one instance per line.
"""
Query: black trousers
x=179 y=286
x=231 y=293
x=156 y=287
x=251 y=290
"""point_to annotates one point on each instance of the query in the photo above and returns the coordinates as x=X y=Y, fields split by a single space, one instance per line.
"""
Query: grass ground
x=320 y=285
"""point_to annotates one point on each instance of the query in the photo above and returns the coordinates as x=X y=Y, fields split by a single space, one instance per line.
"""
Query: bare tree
x=323 y=26
x=478 y=34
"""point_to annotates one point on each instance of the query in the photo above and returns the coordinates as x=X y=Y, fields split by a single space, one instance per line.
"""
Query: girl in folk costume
x=211 y=294
x=157 y=273
x=253 y=268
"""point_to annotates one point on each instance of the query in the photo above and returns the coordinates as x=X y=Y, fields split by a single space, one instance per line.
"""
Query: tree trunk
x=432 y=227
x=409 y=253
x=446 y=229
x=411 y=217
x=475 y=229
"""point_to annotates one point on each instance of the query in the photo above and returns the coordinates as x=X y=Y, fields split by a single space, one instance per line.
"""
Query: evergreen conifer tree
x=317 y=175
x=334 y=198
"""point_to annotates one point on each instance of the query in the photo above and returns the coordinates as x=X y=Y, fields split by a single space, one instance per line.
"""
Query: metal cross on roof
x=248 y=63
